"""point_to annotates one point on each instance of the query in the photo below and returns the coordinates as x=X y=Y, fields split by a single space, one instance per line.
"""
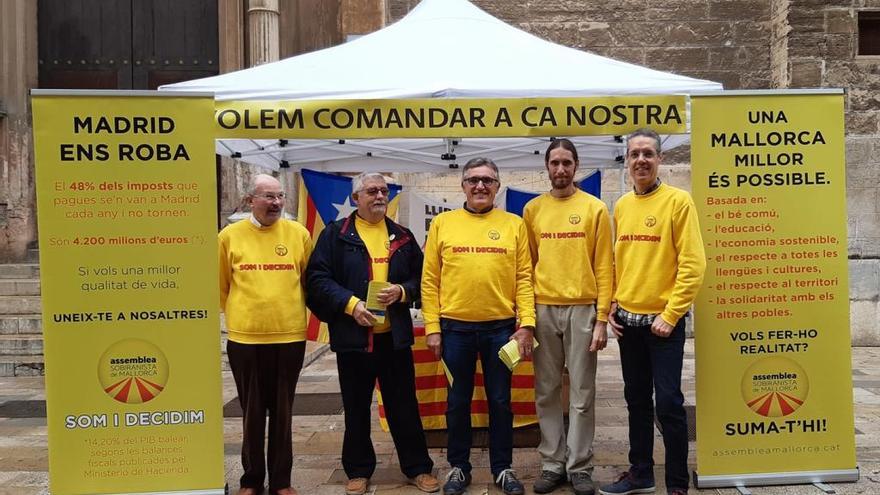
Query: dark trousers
x=265 y=377
x=358 y=372
x=462 y=342
x=652 y=364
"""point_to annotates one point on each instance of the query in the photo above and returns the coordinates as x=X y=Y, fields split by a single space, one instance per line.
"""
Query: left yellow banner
x=449 y=118
x=126 y=199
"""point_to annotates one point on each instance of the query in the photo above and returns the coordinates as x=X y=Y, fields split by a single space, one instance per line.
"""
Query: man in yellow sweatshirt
x=570 y=240
x=659 y=267
x=262 y=260
x=476 y=284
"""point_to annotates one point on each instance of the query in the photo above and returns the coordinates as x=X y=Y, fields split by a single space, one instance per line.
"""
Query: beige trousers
x=564 y=334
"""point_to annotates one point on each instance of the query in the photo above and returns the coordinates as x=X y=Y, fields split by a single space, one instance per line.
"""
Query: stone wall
x=721 y=40
x=18 y=66
x=822 y=52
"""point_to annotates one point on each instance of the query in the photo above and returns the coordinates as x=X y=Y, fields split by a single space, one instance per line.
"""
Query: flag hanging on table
x=325 y=198
x=431 y=390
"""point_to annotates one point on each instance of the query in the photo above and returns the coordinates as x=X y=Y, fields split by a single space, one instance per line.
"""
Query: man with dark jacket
x=350 y=253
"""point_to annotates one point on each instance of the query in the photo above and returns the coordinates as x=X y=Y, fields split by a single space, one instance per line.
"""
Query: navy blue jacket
x=340 y=267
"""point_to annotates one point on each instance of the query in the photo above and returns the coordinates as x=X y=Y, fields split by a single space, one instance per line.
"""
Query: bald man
x=262 y=261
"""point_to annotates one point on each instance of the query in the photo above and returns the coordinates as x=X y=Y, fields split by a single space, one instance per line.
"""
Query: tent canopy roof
x=444 y=48
x=441 y=49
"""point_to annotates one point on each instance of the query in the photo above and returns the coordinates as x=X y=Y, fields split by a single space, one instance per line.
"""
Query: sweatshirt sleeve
x=528 y=218
x=225 y=270
x=603 y=264
x=431 y=281
x=691 y=262
x=525 y=292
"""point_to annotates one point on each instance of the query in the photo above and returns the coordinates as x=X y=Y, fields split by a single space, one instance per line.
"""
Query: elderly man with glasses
x=370 y=344
x=476 y=287
x=266 y=320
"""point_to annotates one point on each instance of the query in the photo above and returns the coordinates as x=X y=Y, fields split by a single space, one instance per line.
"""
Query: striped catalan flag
x=325 y=198
x=431 y=386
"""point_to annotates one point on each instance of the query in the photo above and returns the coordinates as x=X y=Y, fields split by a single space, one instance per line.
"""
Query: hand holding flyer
x=373 y=304
x=509 y=353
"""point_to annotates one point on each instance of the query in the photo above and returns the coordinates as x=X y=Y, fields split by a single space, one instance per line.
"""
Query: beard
x=561 y=182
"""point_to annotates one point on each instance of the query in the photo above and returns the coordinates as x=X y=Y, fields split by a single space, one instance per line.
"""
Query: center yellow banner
x=449 y=118
x=774 y=383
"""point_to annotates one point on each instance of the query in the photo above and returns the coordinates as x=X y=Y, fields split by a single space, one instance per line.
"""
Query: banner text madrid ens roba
x=772 y=320
x=127 y=231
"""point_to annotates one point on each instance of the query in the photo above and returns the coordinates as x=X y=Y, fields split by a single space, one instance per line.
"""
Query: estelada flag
x=325 y=198
x=515 y=199
x=431 y=386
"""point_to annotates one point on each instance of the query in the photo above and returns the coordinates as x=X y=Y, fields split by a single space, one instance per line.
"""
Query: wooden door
x=126 y=44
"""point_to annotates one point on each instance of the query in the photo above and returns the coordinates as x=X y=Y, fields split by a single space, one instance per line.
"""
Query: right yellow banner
x=774 y=383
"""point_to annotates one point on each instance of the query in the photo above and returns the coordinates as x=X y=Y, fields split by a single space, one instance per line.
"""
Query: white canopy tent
x=441 y=49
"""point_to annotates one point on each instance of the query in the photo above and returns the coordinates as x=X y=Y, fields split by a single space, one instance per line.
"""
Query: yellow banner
x=774 y=385
x=126 y=199
x=449 y=118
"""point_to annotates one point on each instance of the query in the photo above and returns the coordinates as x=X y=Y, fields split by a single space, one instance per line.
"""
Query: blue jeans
x=462 y=342
x=652 y=365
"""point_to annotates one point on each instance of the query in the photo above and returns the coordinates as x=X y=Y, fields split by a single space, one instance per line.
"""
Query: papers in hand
x=509 y=353
x=446 y=370
x=373 y=304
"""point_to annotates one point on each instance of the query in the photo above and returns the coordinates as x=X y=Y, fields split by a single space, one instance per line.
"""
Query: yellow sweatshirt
x=375 y=237
x=659 y=254
x=570 y=241
x=477 y=268
x=261 y=288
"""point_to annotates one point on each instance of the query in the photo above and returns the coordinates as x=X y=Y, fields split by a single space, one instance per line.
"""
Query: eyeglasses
x=648 y=154
x=473 y=181
x=271 y=197
x=372 y=191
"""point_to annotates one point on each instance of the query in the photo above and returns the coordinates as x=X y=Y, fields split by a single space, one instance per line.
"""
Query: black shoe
x=508 y=483
x=549 y=481
x=456 y=482
x=582 y=483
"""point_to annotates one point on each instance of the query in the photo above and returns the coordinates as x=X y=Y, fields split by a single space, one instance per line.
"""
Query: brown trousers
x=265 y=377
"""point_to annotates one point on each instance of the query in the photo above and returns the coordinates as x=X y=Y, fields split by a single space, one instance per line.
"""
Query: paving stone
x=318 y=440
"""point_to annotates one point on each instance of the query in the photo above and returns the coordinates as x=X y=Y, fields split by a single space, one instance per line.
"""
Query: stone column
x=263 y=42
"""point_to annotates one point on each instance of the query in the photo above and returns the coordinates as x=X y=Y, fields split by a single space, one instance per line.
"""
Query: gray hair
x=480 y=162
x=645 y=132
x=357 y=183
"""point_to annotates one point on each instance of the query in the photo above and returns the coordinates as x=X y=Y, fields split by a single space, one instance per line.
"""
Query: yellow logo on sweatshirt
x=574 y=219
x=494 y=235
x=281 y=250
x=650 y=221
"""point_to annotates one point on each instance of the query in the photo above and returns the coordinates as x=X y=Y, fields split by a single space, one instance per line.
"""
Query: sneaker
x=582 y=483
x=426 y=482
x=626 y=485
x=549 y=481
x=456 y=482
x=356 y=486
x=508 y=483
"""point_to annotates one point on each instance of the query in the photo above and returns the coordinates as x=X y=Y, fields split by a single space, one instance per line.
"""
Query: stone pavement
x=318 y=439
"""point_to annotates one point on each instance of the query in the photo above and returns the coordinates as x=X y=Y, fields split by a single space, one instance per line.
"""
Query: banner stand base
x=761 y=479
x=209 y=491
